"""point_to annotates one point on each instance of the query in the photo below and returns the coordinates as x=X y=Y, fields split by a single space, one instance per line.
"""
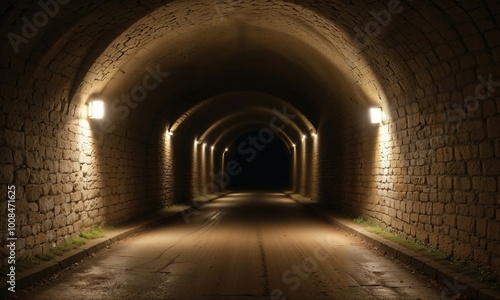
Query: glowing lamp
x=96 y=109
x=376 y=115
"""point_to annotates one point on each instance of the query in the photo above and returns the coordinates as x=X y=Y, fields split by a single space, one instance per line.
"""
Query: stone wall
x=428 y=174
x=67 y=179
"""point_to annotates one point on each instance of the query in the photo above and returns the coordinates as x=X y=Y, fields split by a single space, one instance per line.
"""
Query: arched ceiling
x=230 y=114
x=304 y=52
x=292 y=53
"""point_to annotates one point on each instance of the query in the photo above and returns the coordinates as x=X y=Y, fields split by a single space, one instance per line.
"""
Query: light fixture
x=213 y=147
x=96 y=109
x=314 y=135
x=225 y=150
x=170 y=133
x=204 y=145
x=376 y=115
x=303 y=137
x=293 y=145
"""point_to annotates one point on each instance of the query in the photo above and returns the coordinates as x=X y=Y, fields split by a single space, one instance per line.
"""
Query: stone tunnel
x=194 y=91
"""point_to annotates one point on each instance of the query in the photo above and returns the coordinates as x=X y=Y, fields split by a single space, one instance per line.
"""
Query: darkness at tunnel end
x=264 y=166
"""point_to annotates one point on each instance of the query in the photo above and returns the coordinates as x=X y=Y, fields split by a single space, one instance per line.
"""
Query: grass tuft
x=93 y=234
x=45 y=256
x=481 y=273
x=61 y=248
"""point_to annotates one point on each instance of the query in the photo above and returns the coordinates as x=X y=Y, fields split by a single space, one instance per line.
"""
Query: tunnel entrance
x=264 y=161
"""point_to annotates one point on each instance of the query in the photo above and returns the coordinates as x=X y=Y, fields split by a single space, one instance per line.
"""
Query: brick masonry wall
x=67 y=180
x=430 y=172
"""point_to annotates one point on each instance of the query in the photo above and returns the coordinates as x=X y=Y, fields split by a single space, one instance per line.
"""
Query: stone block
x=65 y=166
x=13 y=138
x=493 y=125
x=481 y=227
x=486 y=150
x=449 y=220
x=34 y=160
x=462 y=250
x=462 y=183
x=437 y=208
x=491 y=167
x=46 y=204
x=33 y=192
x=444 y=154
x=493 y=232
x=474 y=168
x=484 y=184
x=445 y=182
x=6 y=173
x=6 y=156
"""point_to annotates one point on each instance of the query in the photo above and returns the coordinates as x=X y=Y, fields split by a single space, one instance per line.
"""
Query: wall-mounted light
x=204 y=145
x=376 y=115
x=303 y=137
x=96 y=109
x=170 y=133
x=225 y=150
x=293 y=145
x=213 y=147
x=314 y=135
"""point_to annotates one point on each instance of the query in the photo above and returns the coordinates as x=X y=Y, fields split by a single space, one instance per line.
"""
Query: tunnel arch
x=420 y=68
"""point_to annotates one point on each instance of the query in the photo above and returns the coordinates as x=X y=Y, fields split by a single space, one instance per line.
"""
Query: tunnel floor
x=242 y=246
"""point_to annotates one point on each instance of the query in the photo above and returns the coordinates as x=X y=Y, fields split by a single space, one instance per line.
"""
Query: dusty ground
x=242 y=246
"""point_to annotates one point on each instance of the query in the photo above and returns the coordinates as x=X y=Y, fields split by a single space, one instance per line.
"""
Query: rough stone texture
x=431 y=171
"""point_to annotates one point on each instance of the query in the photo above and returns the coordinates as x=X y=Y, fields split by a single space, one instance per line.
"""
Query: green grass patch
x=93 y=234
x=362 y=221
x=480 y=273
x=68 y=245
x=60 y=248
x=45 y=256
x=25 y=263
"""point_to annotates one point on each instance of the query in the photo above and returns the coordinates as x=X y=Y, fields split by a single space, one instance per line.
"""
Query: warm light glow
x=314 y=135
x=293 y=145
x=225 y=150
x=376 y=115
x=170 y=133
x=303 y=137
x=212 y=147
x=204 y=145
x=96 y=109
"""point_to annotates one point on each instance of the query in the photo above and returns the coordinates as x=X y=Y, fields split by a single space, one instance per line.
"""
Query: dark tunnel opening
x=264 y=162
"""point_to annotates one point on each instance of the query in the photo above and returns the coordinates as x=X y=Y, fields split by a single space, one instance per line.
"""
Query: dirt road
x=242 y=246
